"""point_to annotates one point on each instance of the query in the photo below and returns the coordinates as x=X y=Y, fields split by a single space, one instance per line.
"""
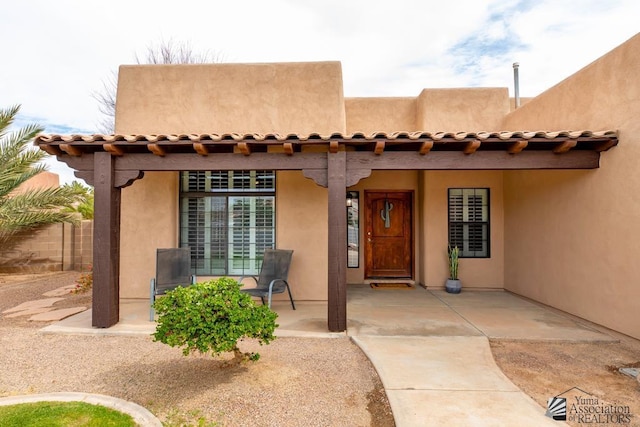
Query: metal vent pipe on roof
x=516 y=84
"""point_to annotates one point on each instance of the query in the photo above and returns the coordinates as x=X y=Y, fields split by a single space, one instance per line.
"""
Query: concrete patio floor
x=430 y=348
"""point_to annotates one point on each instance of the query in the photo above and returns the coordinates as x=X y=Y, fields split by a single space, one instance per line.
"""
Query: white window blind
x=469 y=221
x=227 y=218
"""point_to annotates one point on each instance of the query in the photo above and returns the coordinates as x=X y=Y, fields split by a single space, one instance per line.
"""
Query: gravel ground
x=296 y=382
x=545 y=369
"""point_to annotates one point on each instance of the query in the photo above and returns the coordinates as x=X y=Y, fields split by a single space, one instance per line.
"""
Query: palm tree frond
x=15 y=144
x=38 y=199
x=34 y=208
x=7 y=116
x=12 y=177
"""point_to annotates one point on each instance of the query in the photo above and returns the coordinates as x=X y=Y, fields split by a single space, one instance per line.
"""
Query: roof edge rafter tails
x=378 y=142
x=378 y=150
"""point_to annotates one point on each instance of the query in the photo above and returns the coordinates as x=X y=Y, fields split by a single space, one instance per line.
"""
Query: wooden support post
x=337 y=260
x=106 y=243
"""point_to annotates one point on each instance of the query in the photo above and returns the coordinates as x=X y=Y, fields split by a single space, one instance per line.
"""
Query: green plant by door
x=453 y=262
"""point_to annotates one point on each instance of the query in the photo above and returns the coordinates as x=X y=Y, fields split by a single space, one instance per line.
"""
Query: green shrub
x=212 y=317
x=84 y=283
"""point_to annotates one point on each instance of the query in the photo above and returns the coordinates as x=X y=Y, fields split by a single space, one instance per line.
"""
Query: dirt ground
x=588 y=371
x=297 y=381
x=586 y=374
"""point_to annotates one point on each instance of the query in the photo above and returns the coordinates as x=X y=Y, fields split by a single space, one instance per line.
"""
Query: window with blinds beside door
x=469 y=221
x=227 y=218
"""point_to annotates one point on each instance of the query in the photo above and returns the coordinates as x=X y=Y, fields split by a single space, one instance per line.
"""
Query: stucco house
x=230 y=159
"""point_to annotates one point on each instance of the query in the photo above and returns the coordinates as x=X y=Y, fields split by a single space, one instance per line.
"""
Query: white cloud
x=60 y=52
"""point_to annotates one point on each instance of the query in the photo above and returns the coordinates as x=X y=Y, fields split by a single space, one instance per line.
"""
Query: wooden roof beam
x=200 y=148
x=472 y=147
x=156 y=149
x=288 y=148
x=517 y=147
x=71 y=150
x=425 y=147
x=565 y=146
x=604 y=146
x=51 y=149
x=379 y=147
x=114 y=150
x=244 y=148
x=334 y=146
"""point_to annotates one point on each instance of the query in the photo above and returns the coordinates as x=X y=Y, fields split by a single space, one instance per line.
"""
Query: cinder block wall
x=83 y=246
x=57 y=247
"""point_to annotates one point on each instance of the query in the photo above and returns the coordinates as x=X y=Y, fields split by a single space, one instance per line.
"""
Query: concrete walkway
x=450 y=381
x=431 y=349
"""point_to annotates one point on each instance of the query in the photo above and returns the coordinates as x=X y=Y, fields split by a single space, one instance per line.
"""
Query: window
x=227 y=218
x=469 y=221
x=353 y=229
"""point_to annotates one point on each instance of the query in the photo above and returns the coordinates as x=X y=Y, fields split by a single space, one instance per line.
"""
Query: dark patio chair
x=273 y=276
x=173 y=269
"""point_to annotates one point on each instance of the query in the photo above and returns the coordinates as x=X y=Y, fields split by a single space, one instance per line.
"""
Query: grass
x=62 y=414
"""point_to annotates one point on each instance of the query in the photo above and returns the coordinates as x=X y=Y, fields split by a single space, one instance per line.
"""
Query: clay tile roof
x=535 y=140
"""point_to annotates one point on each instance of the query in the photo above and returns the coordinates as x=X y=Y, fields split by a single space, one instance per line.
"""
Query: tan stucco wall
x=571 y=238
x=474 y=273
x=452 y=110
x=42 y=180
x=461 y=110
x=301 y=215
x=154 y=200
x=149 y=220
x=226 y=98
x=512 y=102
x=281 y=98
x=380 y=114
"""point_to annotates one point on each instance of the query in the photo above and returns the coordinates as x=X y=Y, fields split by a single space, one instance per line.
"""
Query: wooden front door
x=389 y=234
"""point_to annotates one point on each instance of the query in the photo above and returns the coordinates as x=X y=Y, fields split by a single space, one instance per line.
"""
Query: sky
x=58 y=54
